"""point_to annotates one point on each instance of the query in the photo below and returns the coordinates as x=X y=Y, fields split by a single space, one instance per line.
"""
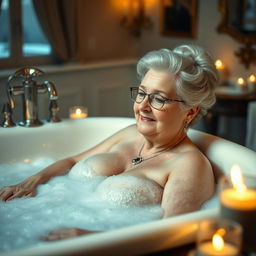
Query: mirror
x=239 y=21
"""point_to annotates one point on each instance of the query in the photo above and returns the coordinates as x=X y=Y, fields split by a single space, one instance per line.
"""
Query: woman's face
x=169 y=120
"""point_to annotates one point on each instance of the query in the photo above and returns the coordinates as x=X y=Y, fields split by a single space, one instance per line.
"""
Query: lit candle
x=239 y=204
x=241 y=85
x=217 y=247
x=223 y=71
x=252 y=78
x=219 y=65
x=252 y=82
x=78 y=112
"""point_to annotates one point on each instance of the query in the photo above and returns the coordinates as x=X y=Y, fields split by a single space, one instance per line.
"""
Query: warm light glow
x=135 y=5
x=252 y=78
x=219 y=65
x=237 y=179
x=26 y=160
x=78 y=111
x=240 y=81
x=217 y=242
x=221 y=231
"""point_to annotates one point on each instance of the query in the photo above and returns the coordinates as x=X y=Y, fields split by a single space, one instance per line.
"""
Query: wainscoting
x=102 y=87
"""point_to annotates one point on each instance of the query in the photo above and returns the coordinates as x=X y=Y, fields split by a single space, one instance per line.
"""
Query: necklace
x=138 y=159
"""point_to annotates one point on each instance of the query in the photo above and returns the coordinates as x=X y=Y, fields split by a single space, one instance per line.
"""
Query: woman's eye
x=141 y=94
x=158 y=99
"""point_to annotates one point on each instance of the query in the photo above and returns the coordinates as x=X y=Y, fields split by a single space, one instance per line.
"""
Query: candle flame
x=221 y=232
x=78 y=111
x=252 y=78
x=240 y=81
x=237 y=179
x=217 y=242
x=219 y=64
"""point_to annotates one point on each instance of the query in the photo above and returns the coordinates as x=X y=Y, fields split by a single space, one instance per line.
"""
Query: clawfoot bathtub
x=69 y=137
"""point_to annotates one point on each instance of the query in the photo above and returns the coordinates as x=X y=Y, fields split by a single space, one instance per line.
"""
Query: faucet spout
x=53 y=95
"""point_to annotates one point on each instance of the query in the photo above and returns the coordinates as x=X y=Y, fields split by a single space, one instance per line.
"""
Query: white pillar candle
x=238 y=203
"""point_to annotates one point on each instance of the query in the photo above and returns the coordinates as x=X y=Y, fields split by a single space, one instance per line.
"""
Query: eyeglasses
x=155 y=100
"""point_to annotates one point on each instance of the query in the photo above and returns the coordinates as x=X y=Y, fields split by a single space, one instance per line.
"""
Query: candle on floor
x=218 y=237
x=78 y=112
x=238 y=203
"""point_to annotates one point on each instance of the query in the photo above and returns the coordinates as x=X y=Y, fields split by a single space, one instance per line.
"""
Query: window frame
x=16 y=58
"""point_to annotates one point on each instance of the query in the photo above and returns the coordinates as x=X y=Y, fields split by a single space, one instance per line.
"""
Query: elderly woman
x=177 y=88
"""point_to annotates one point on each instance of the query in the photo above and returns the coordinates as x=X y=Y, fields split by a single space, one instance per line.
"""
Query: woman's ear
x=192 y=113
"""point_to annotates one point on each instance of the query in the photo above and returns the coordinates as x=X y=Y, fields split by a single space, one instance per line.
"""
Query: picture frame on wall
x=179 y=18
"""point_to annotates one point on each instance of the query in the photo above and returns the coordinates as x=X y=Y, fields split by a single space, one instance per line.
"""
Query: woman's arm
x=62 y=167
x=189 y=185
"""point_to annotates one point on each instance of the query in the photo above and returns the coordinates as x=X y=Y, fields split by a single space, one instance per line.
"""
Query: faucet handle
x=7 y=111
x=54 y=110
x=28 y=72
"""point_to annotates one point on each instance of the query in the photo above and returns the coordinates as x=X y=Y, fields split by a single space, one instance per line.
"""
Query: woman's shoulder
x=191 y=158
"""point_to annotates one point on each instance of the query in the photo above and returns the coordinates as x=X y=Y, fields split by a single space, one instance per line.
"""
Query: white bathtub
x=70 y=137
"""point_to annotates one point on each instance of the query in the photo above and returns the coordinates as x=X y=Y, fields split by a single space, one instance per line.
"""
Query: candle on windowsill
x=238 y=203
x=218 y=237
x=78 y=112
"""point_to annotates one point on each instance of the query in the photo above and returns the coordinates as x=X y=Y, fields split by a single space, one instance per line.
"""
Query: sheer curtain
x=59 y=22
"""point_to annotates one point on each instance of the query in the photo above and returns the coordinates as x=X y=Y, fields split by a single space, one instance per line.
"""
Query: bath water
x=63 y=202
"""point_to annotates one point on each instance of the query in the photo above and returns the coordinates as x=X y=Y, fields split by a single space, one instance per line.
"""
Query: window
x=22 y=40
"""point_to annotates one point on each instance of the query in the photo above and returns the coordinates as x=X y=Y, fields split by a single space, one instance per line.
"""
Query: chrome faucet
x=29 y=89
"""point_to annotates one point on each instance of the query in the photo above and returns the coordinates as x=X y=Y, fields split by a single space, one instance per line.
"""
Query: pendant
x=137 y=160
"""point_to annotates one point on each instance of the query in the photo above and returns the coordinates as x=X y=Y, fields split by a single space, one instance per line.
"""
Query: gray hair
x=195 y=72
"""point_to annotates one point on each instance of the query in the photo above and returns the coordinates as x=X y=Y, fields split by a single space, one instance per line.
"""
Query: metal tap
x=29 y=89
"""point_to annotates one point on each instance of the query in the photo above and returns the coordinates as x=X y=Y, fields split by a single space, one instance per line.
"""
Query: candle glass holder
x=240 y=206
x=226 y=243
x=78 y=112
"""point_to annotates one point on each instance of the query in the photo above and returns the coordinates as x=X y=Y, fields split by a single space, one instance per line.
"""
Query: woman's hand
x=65 y=233
x=25 y=188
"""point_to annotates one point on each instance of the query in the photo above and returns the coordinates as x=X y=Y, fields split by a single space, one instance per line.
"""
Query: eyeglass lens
x=155 y=100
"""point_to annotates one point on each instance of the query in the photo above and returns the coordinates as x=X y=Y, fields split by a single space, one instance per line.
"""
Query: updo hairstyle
x=195 y=72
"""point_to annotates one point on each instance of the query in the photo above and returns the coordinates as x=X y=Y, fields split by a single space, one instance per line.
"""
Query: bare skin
x=183 y=172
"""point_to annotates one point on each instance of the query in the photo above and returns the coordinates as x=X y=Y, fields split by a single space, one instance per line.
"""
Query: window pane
x=34 y=39
x=4 y=30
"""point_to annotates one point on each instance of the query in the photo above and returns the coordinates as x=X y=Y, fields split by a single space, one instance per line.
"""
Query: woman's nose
x=144 y=105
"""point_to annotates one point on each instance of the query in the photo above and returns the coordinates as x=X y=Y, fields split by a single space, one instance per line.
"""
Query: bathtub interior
x=69 y=137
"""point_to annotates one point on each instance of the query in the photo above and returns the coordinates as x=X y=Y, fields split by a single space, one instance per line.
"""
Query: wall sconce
x=134 y=18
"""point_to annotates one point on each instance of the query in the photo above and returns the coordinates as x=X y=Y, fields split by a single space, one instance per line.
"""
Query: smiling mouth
x=147 y=119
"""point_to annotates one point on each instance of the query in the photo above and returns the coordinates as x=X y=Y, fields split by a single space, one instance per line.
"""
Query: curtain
x=58 y=19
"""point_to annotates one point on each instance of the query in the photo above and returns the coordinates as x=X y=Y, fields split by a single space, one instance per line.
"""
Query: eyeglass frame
x=165 y=100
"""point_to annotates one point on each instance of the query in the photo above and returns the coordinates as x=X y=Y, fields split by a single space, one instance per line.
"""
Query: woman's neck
x=155 y=145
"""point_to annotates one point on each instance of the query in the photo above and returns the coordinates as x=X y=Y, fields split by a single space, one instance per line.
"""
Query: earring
x=186 y=125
